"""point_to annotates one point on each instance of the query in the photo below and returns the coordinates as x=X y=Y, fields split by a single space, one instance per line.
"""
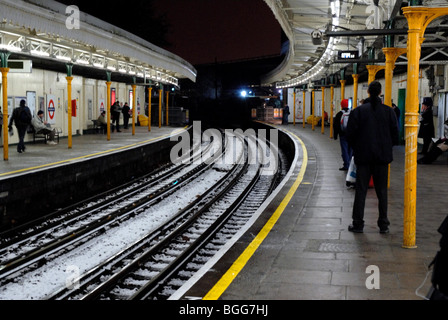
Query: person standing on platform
x=115 y=115
x=21 y=117
x=286 y=114
x=426 y=130
x=339 y=129
x=126 y=115
x=372 y=132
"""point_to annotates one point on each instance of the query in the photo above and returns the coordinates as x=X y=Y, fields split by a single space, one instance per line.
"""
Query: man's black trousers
x=380 y=173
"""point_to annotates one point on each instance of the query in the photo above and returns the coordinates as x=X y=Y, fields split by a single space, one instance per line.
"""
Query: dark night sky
x=199 y=31
x=225 y=30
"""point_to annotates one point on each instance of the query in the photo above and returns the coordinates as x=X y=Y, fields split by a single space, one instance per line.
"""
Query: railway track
x=157 y=263
x=31 y=244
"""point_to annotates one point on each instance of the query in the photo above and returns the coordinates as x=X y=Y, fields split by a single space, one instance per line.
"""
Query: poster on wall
x=42 y=104
x=17 y=101
x=51 y=109
x=138 y=106
x=299 y=115
x=31 y=101
x=102 y=107
x=10 y=105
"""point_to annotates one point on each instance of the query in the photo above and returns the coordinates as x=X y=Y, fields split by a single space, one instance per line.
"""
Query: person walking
x=339 y=130
x=426 y=130
x=372 y=132
x=21 y=117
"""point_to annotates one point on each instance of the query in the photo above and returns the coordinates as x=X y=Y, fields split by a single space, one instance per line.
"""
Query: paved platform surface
x=310 y=254
x=40 y=155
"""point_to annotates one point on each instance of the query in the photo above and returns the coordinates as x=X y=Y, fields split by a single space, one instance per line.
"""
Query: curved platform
x=47 y=177
x=300 y=248
x=40 y=156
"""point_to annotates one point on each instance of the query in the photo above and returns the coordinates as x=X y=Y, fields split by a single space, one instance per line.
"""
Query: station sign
x=348 y=55
x=51 y=109
x=20 y=66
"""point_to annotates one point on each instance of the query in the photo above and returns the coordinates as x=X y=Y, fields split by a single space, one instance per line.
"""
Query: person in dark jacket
x=115 y=115
x=346 y=150
x=426 y=130
x=372 y=132
x=21 y=117
x=126 y=115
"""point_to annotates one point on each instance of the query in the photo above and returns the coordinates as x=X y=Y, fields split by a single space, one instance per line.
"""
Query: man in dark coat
x=372 y=132
x=126 y=115
x=21 y=117
x=426 y=130
x=115 y=115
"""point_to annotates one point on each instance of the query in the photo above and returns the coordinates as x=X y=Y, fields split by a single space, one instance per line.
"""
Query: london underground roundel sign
x=51 y=109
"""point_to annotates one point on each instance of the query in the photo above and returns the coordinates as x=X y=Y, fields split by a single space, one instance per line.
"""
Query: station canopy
x=326 y=36
x=50 y=33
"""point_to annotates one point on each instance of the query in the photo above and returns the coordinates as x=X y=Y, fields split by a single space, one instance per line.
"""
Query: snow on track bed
x=56 y=272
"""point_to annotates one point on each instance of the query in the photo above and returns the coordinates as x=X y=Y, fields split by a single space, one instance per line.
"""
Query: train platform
x=39 y=156
x=300 y=247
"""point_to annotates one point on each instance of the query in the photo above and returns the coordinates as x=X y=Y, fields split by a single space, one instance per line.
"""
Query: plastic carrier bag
x=351 y=173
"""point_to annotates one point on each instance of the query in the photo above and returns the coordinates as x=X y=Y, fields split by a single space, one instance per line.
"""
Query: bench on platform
x=97 y=127
x=44 y=136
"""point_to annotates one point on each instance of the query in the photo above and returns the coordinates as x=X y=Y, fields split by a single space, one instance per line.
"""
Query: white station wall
x=44 y=89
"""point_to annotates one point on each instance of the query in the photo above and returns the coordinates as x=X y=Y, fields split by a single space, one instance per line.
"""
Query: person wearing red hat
x=339 y=127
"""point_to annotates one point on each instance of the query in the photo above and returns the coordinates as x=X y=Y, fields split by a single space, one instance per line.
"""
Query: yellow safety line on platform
x=239 y=264
x=89 y=155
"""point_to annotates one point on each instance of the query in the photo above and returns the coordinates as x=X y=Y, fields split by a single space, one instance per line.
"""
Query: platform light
x=63 y=58
x=40 y=53
x=244 y=93
x=9 y=48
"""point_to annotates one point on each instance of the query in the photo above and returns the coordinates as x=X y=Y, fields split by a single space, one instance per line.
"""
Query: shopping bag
x=351 y=173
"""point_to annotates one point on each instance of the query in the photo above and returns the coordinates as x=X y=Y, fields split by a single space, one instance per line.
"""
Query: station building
x=45 y=41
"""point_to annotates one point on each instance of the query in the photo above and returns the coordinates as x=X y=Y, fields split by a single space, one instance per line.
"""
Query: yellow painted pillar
x=331 y=111
x=342 y=89
x=373 y=70
x=134 y=107
x=160 y=107
x=303 y=108
x=69 y=111
x=167 y=107
x=294 y=99
x=355 y=90
x=312 y=109
x=5 y=113
x=323 y=111
x=108 y=85
x=392 y=55
x=149 y=108
x=418 y=19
